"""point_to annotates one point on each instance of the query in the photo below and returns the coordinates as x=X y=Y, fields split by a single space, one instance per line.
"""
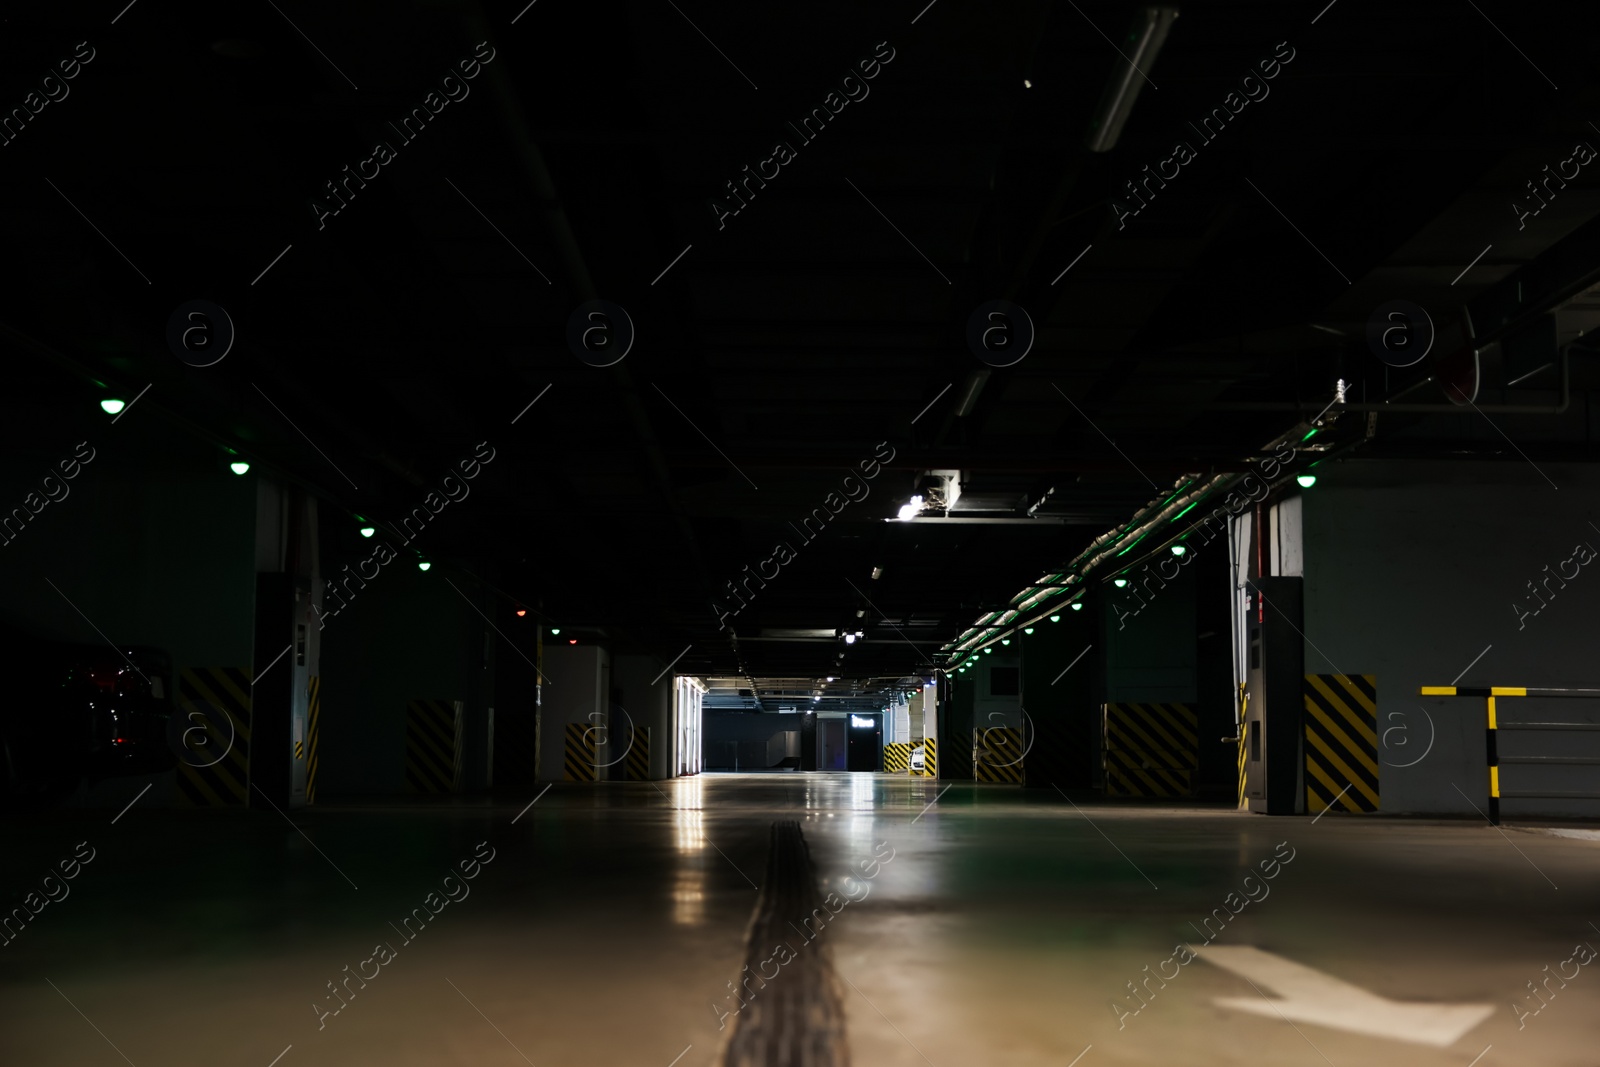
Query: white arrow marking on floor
x=1310 y=996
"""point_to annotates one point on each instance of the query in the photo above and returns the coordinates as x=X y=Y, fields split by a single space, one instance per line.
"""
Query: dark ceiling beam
x=575 y=269
x=1025 y=462
x=1562 y=271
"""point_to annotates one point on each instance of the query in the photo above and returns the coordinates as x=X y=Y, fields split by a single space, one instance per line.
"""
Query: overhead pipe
x=985 y=634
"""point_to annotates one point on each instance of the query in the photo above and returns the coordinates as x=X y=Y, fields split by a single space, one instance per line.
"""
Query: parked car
x=77 y=711
x=919 y=759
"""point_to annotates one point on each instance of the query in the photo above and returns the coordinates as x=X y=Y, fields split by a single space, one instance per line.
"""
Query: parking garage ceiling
x=818 y=332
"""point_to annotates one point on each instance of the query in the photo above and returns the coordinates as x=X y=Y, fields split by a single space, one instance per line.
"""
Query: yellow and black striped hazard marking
x=997 y=754
x=1341 y=742
x=897 y=757
x=214 y=762
x=1244 y=738
x=313 y=717
x=1151 y=750
x=638 y=761
x=433 y=746
x=930 y=758
x=1244 y=802
x=579 y=763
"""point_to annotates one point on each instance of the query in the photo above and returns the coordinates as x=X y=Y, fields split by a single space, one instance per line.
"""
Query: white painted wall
x=1411 y=571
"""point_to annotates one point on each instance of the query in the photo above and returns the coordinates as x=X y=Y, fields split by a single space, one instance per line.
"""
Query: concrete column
x=403 y=635
x=647 y=703
x=1061 y=694
x=287 y=644
x=578 y=690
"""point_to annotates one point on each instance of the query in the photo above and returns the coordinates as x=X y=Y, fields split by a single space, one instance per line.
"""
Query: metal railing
x=1494 y=725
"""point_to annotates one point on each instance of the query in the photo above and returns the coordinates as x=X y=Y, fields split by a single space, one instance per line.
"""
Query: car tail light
x=115 y=678
x=104 y=677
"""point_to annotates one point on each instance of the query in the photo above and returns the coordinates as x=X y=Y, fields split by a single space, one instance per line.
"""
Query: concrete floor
x=610 y=919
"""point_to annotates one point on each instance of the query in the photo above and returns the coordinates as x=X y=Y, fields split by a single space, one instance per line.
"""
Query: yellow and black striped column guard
x=997 y=754
x=313 y=720
x=433 y=746
x=579 y=763
x=897 y=757
x=1341 y=725
x=1243 y=731
x=225 y=781
x=638 y=759
x=930 y=757
x=1151 y=750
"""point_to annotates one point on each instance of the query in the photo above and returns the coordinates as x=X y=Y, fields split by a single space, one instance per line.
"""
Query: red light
x=521 y=612
x=572 y=640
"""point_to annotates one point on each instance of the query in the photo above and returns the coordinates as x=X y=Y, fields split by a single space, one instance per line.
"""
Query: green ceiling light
x=1185 y=511
x=1309 y=434
x=1306 y=480
x=112 y=406
x=1178 y=550
x=1119 y=582
x=1077 y=605
x=554 y=630
x=988 y=650
x=1057 y=618
x=238 y=466
x=1027 y=630
x=423 y=565
x=1005 y=640
x=368 y=531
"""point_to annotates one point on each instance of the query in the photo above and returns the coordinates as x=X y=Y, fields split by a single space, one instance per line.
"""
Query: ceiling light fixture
x=239 y=466
x=849 y=639
x=554 y=630
x=1119 y=582
x=1055 y=618
x=424 y=565
x=1027 y=630
x=112 y=406
x=1178 y=550
x=1306 y=480
x=877 y=572
x=910 y=510
x=1077 y=605
x=368 y=531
